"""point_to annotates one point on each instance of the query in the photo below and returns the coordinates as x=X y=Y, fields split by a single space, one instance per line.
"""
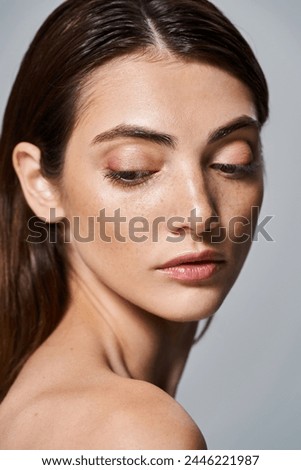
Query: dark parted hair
x=78 y=37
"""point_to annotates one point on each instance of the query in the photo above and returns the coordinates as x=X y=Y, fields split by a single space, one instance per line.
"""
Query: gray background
x=242 y=384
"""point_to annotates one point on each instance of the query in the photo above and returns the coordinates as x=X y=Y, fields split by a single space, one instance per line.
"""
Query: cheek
x=239 y=213
x=106 y=230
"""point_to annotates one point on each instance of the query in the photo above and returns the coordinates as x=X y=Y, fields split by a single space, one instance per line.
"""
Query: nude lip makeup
x=194 y=266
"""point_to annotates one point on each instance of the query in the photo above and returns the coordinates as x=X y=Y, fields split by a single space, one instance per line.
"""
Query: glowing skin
x=129 y=317
x=188 y=102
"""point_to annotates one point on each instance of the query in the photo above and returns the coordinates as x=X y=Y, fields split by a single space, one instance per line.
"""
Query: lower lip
x=193 y=272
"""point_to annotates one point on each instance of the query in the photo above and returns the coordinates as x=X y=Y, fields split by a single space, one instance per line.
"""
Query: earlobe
x=40 y=194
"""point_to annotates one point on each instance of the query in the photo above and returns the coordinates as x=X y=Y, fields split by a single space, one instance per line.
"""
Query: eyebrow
x=136 y=132
x=144 y=133
x=232 y=126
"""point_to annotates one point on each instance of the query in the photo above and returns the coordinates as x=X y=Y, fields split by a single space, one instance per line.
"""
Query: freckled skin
x=187 y=101
x=126 y=320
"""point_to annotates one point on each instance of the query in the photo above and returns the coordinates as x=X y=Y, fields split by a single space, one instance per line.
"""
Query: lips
x=194 y=266
x=194 y=258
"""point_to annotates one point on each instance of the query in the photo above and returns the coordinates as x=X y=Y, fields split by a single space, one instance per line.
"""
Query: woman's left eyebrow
x=137 y=132
x=232 y=126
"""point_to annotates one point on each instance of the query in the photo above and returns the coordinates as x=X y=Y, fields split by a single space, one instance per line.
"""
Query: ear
x=40 y=194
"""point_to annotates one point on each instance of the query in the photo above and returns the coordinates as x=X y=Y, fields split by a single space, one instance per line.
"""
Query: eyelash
x=142 y=177
x=119 y=177
x=237 y=171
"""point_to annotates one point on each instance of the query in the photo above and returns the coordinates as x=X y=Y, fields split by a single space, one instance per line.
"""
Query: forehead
x=166 y=94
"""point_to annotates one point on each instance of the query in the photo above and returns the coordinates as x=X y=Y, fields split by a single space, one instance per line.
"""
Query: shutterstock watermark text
x=138 y=229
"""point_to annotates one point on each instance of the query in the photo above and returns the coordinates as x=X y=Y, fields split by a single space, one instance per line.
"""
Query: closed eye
x=129 y=178
x=235 y=170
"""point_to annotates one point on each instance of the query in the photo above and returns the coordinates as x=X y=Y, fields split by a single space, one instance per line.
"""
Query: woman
x=131 y=177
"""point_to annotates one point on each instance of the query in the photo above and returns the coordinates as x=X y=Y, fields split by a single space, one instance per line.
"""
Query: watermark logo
x=139 y=229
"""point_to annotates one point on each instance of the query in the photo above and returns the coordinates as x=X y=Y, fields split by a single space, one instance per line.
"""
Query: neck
x=131 y=342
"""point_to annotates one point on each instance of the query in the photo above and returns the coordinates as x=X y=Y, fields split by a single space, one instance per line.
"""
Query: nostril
x=198 y=222
x=211 y=222
x=176 y=229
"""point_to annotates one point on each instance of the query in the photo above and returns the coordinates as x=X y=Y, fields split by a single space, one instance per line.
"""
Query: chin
x=188 y=305
x=193 y=313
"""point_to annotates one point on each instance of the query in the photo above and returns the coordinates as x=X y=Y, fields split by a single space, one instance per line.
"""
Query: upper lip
x=208 y=255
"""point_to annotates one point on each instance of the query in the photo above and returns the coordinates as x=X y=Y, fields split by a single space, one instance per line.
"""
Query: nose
x=195 y=207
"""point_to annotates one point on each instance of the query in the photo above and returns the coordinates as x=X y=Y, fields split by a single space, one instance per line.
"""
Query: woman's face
x=170 y=152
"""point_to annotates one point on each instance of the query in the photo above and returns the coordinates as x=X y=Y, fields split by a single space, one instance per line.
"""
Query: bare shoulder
x=149 y=418
x=119 y=414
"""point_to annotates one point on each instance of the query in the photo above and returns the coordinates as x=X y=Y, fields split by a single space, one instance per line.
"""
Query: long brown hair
x=78 y=37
